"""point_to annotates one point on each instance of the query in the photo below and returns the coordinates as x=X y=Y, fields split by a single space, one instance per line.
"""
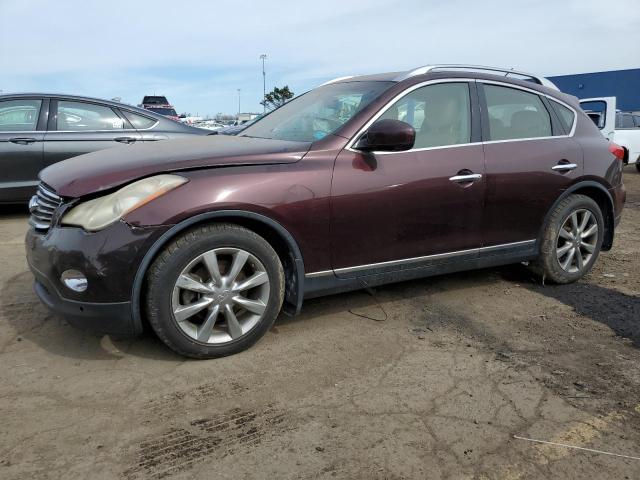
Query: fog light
x=74 y=280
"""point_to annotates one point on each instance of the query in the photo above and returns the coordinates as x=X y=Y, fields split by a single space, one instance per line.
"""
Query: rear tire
x=571 y=241
x=214 y=291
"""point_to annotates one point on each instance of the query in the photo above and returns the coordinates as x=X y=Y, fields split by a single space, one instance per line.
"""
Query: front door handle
x=126 y=140
x=471 y=177
x=22 y=140
x=564 y=167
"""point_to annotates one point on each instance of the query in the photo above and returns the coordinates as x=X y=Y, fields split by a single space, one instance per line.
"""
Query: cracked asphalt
x=447 y=377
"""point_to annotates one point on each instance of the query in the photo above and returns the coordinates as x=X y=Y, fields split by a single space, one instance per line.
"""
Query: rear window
x=567 y=117
x=155 y=100
x=139 y=121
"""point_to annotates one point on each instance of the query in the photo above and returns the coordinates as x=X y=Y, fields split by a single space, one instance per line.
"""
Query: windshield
x=317 y=113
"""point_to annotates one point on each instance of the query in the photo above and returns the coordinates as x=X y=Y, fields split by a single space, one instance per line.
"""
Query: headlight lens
x=101 y=212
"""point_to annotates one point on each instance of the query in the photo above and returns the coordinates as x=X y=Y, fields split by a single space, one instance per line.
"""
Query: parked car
x=37 y=130
x=160 y=105
x=360 y=182
x=615 y=125
x=236 y=128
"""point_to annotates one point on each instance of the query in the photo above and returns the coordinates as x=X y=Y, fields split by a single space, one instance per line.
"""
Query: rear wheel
x=572 y=239
x=638 y=166
x=214 y=291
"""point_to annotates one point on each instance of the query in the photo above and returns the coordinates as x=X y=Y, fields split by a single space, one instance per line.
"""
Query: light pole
x=263 y=57
x=239 y=90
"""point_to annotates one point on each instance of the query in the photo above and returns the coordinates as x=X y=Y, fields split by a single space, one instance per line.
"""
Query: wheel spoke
x=254 y=306
x=183 y=312
x=565 y=234
x=567 y=261
x=188 y=282
x=233 y=325
x=210 y=260
x=204 y=332
x=590 y=231
x=564 y=249
x=574 y=223
x=239 y=259
x=585 y=220
x=255 y=280
x=579 y=259
x=588 y=247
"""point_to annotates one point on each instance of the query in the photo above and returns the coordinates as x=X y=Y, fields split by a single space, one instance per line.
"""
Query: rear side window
x=567 y=117
x=624 y=120
x=139 y=121
x=440 y=114
x=516 y=114
x=19 y=115
x=80 y=116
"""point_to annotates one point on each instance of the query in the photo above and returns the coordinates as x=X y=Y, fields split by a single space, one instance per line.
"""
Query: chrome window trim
x=124 y=130
x=408 y=261
x=389 y=104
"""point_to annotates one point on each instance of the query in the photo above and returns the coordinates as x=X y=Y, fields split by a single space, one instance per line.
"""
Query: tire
x=180 y=282
x=638 y=166
x=556 y=245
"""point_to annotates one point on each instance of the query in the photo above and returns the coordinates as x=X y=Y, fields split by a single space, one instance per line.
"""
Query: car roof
x=111 y=103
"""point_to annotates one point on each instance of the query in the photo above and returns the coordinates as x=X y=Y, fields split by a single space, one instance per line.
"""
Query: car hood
x=112 y=167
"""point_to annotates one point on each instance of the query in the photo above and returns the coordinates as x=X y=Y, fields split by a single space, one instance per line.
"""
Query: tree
x=277 y=97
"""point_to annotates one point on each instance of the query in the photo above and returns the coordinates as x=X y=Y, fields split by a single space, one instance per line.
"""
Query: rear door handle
x=126 y=140
x=564 y=167
x=472 y=177
x=22 y=140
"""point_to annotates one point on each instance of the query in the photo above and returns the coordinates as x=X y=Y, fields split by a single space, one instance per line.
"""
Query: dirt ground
x=447 y=377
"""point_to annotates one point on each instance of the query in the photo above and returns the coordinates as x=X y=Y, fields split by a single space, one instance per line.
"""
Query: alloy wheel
x=577 y=239
x=220 y=295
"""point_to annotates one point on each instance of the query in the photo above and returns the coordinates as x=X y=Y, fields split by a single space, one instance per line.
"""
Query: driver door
x=399 y=210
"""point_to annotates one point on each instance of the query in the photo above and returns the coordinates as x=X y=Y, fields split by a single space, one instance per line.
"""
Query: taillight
x=617 y=150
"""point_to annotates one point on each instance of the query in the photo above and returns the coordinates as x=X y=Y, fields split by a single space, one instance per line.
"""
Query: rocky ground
x=447 y=377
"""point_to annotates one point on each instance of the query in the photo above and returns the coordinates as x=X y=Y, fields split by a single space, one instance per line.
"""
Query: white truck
x=622 y=128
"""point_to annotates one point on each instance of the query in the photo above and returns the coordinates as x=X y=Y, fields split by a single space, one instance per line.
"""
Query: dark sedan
x=37 y=130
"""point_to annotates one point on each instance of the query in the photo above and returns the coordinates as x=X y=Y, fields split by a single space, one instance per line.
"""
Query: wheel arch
x=601 y=196
x=272 y=231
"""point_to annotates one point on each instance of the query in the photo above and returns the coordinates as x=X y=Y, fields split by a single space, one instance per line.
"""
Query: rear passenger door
x=77 y=127
x=530 y=156
x=22 y=124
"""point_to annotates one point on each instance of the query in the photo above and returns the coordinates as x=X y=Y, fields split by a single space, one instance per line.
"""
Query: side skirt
x=327 y=283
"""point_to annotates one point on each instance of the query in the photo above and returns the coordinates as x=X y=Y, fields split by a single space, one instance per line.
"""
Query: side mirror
x=387 y=136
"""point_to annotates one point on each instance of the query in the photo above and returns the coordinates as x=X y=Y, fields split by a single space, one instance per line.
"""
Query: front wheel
x=214 y=291
x=572 y=239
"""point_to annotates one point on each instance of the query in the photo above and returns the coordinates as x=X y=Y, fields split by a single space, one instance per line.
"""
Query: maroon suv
x=360 y=182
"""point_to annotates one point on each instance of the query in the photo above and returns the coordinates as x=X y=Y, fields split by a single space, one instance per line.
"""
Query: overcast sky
x=198 y=53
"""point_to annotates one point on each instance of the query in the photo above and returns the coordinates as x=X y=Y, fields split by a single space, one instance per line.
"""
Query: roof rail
x=336 y=80
x=479 y=68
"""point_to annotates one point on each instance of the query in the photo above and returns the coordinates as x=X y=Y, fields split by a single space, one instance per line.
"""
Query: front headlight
x=101 y=212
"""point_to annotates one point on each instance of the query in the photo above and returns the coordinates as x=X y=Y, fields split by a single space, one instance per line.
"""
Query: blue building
x=622 y=84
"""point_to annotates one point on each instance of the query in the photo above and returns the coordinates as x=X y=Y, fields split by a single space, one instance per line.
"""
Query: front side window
x=317 y=113
x=597 y=111
x=80 y=116
x=516 y=114
x=440 y=114
x=19 y=115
